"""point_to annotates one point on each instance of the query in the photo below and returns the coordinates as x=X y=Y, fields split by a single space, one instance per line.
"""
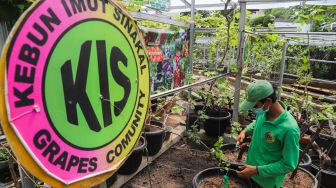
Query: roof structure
x=297 y=38
x=210 y=5
x=304 y=38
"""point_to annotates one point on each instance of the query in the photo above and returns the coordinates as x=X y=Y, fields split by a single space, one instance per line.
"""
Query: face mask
x=259 y=111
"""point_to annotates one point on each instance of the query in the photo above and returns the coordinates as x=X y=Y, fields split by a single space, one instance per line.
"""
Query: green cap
x=256 y=91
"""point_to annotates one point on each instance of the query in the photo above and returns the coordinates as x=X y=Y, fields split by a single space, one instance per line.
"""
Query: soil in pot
x=302 y=180
x=133 y=163
x=217 y=182
x=152 y=128
x=213 y=177
x=154 y=134
x=232 y=156
x=325 y=130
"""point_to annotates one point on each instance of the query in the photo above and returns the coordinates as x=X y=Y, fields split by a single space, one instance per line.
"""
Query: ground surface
x=175 y=168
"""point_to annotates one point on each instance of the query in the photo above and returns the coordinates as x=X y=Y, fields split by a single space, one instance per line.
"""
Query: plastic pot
x=217 y=123
x=5 y=177
x=229 y=147
x=325 y=141
x=232 y=147
x=198 y=107
x=228 y=139
x=169 y=129
x=327 y=176
x=306 y=161
x=192 y=119
x=3 y=164
x=217 y=172
x=110 y=181
x=193 y=116
x=154 y=139
x=154 y=105
x=133 y=163
x=310 y=174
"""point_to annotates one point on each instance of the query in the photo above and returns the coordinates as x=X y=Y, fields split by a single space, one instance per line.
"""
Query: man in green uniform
x=274 y=149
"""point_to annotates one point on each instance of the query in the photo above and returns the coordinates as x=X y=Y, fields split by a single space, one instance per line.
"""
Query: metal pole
x=204 y=51
x=240 y=59
x=192 y=30
x=314 y=60
x=191 y=50
x=283 y=62
x=292 y=33
x=190 y=86
x=282 y=67
x=216 y=56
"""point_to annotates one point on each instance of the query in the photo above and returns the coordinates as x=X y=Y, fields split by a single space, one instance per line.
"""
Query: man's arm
x=289 y=160
x=249 y=129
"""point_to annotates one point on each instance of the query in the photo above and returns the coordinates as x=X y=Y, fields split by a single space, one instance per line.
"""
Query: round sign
x=76 y=87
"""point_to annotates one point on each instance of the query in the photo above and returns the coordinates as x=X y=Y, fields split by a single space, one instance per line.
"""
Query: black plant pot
x=229 y=147
x=310 y=174
x=155 y=139
x=217 y=123
x=306 y=161
x=4 y=164
x=192 y=119
x=325 y=141
x=133 y=163
x=198 y=107
x=110 y=181
x=327 y=176
x=228 y=139
x=154 y=105
x=232 y=147
x=217 y=172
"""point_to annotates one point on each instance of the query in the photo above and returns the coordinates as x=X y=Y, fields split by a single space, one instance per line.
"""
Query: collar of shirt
x=281 y=117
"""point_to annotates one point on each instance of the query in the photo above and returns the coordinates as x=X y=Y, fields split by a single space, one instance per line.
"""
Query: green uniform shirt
x=274 y=148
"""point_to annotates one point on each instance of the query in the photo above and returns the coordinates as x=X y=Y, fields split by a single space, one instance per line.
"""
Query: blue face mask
x=259 y=111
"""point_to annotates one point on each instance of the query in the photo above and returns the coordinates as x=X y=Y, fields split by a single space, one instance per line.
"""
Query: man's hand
x=241 y=136
x=247 y=171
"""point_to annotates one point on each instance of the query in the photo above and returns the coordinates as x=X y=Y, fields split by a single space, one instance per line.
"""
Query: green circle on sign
x=68 y=49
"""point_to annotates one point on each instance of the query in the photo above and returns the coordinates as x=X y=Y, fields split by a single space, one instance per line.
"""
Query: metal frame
x=289 y=35
x=240 y=59
x=198 y=6
x=241 y=43
x=274 y=1
x=314 y=60
x=190 y=86
x=205 y=30
x=155 y=18
x=187 y=4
